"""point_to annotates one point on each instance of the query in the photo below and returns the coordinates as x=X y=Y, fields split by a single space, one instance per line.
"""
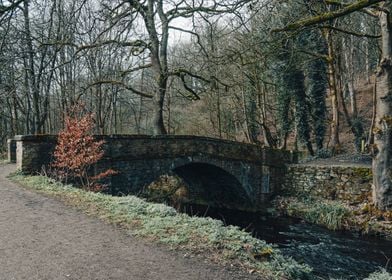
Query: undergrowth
x=335 y=215
x=3 y=158
x=382 y=274
x=209 y=237
x=331 y=214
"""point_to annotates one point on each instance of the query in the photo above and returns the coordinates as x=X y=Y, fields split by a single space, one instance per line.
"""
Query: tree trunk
x=370 y=140
x=348 y=60
x=367 y=61
x=31 y=70
x=382 y=163
x=335 y=142
x=159 y=61
x=158 y=102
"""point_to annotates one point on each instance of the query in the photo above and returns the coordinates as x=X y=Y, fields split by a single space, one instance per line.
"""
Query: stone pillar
x=19 y=154
x=11 y=144
x=34 y=152
x=265 y=181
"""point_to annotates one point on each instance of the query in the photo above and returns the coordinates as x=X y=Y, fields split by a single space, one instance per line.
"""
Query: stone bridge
x=216 y=172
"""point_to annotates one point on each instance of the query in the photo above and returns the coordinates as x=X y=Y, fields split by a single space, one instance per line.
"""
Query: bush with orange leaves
x=77 y=151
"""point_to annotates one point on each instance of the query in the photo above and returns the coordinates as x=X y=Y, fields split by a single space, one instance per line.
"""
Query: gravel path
x=41 y=238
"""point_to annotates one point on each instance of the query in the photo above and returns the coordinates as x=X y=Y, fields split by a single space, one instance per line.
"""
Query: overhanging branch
x=328 y=16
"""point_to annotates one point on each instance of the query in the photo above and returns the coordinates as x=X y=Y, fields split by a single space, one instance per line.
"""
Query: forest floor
x=42 y=238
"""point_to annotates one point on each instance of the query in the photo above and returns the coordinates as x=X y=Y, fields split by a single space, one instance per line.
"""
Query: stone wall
x=11 y=147
x=34 y=152
x=351 y=184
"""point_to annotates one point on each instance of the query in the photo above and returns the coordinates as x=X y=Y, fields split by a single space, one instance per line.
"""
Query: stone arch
x=212 y=185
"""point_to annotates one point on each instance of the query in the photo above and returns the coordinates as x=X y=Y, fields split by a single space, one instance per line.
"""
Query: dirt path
x=41 y=238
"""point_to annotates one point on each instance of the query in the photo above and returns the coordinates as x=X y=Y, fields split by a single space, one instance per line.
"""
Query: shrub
x=167 y=189
x=324 y=153
x=3 y=157
x=77 y=150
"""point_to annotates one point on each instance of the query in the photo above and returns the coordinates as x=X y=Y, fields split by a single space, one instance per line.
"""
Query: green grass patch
x=209 y=237
x=331 y=214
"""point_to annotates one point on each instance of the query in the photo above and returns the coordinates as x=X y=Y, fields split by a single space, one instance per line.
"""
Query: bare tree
x=157 y=18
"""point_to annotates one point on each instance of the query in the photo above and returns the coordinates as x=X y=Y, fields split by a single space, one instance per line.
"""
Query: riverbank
x=227 y=245
x=361 y=218
x=335 y=193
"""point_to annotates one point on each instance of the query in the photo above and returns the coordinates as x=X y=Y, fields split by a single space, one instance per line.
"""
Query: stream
x=332 y=255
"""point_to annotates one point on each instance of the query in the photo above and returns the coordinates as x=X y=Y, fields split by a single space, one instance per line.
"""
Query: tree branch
x=14 y=5
x=316 y=55
x=182 y=77
x=181 y=73
x=135 y=44
x=125 y=72
x=122 y=84
x=356 y=34
x=369 y=12
x=335 y=3
x=328 y=16
x=214 y=9
x=194 y=34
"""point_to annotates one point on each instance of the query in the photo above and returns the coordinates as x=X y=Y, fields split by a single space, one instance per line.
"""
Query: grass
x=382 y=274
x=336 y=215
x=3 y=158
x=205 y=236
x=331 y=214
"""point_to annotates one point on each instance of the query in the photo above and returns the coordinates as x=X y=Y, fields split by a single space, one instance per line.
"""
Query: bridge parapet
x=34 y=151
x=172 y=146
x=252 y=173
